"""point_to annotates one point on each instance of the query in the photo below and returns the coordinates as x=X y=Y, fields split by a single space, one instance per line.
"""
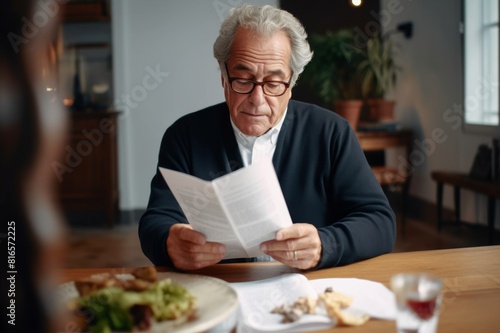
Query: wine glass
x=418 y=298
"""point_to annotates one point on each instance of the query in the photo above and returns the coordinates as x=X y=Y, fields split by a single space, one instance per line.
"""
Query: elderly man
x=340 y=212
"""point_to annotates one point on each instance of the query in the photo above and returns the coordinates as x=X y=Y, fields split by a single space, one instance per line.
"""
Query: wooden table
x=471 y=295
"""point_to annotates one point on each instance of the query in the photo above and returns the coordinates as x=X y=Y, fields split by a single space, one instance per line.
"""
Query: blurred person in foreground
x=339 y=210
x=32 y=132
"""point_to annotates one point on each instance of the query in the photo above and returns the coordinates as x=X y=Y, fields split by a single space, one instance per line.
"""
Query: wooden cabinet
x=380 y=141
x=88 y=170
x=86 y=11
x=390 y=177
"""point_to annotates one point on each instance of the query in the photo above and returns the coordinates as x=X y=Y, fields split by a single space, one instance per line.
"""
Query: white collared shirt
x=253 y=148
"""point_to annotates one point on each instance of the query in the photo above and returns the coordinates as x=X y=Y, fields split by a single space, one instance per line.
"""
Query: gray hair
x=265 y=21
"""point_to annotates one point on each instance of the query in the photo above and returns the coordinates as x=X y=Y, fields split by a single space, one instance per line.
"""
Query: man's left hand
x=296 y=246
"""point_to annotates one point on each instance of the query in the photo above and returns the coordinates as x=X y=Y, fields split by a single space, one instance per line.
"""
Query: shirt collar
x=248 y=140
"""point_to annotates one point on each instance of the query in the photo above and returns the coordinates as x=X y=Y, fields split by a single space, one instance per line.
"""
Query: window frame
x=483 y=129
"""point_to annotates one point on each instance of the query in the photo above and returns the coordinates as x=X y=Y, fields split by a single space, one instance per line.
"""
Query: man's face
x=259 y=59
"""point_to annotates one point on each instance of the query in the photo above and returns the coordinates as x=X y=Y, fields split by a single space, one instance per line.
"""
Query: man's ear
x=222 y=80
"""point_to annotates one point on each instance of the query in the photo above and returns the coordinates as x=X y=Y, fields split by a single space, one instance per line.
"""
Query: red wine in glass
x=424 y=309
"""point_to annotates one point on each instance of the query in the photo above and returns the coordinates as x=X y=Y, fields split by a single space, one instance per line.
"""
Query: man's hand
x=189 y=249
x=296 y=246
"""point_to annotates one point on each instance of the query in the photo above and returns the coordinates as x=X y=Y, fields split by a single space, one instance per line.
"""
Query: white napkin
x=258 y=298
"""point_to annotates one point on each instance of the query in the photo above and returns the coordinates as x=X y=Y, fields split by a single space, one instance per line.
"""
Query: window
x=481 y=61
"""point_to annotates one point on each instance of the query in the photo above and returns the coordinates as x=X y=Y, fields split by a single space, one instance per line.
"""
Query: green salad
x=115 y=309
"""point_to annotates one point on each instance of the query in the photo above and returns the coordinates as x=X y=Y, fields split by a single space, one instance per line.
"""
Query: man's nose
x=257 y=97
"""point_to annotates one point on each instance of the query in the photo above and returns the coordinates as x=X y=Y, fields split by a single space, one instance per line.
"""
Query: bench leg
x=456 y=196
x=491 y=219
x=439 y=200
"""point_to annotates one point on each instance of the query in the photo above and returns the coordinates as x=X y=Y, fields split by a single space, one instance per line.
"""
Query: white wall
x=174 y=37
x=177 y=36
x=430 y=84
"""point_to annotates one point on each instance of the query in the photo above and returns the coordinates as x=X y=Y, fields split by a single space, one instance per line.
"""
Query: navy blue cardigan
x=323 y=173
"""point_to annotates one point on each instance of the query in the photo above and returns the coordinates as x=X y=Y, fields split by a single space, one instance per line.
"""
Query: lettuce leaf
x=110 y=307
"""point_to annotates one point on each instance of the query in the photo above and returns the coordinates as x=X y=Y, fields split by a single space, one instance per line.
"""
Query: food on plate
x=333 y=302
x=108 y=303
x=293 y=312
x=343 y=301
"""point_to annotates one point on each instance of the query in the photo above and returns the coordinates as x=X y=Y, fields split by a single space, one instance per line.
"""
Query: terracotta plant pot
x=381 y=109
x=349 y=110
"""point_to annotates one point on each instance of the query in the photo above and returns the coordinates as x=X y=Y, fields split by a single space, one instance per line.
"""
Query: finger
x=300 y=246
x=295 y=255
x=297 y=237
x=296 y=230
x=194 y=259
x=197 y=256
x=287 y=258
x=290 y=244
x=281 y=246
x=186 y=233
x=193 y=251
x=301 y=259
x=189 y=249
x=207 y=251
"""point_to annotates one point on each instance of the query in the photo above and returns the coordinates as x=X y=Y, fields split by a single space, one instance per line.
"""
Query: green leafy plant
x=379 y=71
x=334 y=71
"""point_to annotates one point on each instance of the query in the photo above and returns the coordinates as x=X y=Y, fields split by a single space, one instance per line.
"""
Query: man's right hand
x=189 y=249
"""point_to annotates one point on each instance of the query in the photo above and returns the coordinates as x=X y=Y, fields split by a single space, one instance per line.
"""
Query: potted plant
x=379 y=72
x=334 y=73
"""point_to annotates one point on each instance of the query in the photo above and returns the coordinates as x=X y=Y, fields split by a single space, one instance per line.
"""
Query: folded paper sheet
x=241 y=209
x=258 y=298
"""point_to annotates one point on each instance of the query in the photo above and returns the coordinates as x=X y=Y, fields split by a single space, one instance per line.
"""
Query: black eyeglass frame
x=257 y=83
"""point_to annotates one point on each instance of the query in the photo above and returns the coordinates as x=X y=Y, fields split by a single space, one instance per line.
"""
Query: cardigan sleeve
x=163 y=210
x=363 y=224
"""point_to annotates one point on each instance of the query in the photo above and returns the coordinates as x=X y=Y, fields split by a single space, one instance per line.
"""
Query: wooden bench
x=463 y=181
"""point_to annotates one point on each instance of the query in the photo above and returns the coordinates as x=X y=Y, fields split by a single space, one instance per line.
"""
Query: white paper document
x=240 y=210
x=258 y=298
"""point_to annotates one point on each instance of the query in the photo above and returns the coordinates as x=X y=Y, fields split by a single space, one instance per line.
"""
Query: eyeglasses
x=246 y=86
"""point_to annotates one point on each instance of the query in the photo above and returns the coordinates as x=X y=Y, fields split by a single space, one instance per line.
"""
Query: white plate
x=217 y=303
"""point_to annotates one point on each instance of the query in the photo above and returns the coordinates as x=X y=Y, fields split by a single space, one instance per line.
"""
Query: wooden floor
x=99 y=246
